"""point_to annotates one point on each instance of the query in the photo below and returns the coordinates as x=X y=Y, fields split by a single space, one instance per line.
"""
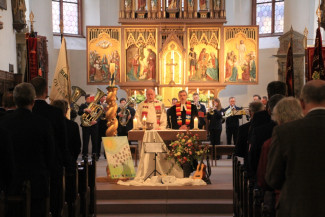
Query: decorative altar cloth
x=171 y=175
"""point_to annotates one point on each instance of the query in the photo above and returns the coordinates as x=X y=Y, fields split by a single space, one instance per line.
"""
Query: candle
x=186 y=89
x=145 y=92
x=156 y=91
x=112 y=67
x=135 y=123
x=197 y=90
x=196 y=123
x=144 y=119
x=135 y=94
x=208 y=94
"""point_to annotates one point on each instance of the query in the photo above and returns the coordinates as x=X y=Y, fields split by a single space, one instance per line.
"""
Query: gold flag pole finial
x=305 y=37
x=319 y=14
x=31 y=20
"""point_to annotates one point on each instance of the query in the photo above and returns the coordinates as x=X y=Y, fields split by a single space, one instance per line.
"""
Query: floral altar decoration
x=186 y=151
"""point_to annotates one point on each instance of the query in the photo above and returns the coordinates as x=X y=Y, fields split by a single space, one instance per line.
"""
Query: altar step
x=165 y=200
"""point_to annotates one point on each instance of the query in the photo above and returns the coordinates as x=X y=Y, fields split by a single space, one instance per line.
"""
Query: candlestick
x=196 y=123
x=135 y=123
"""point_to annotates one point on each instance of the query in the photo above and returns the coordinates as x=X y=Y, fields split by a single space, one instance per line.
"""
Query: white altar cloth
x=171 y=175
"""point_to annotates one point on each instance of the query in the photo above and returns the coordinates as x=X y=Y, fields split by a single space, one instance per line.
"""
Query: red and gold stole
x=179 y=113
x=157 y=106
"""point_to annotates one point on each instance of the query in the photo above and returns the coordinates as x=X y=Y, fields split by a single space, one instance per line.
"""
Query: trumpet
x=211 y=110
x=234 y=112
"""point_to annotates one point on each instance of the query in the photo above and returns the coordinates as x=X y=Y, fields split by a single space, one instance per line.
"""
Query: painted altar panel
x=103 y=55
x=240 y=55
x=203 y=54
x=141 y=54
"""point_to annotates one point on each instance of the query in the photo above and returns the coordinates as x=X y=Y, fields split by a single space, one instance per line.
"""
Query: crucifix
x=172 y=65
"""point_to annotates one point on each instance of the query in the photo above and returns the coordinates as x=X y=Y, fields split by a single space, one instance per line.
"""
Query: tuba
x=76 y=94
x=96 y=110
x=125 y=112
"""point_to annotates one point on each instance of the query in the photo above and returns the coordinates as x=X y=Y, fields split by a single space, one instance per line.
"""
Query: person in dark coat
x=296 y=157
x=88 y=132
x=215 y=119
x=33 y=144
x=62 y=154
x=73 y=133
x=183 y=113
x=200 y=109
x=232 y=122
x=241 y=146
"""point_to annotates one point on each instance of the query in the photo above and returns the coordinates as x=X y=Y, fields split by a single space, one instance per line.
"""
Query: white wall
x=7 y=40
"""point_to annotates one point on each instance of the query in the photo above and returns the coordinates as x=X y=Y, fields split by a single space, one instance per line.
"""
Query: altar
x=166 y=135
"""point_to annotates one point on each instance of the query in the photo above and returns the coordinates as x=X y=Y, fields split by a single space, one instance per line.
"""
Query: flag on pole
x=317 y=70
x=61 y=85
x=289 y=71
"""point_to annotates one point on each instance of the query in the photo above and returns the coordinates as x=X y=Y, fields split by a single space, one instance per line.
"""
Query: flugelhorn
x=77 y=92
x=96 y=110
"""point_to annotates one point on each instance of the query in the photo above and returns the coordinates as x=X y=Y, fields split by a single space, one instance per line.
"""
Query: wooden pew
x=65 y=210
x=72 y=195
x=92 y=185
x=83 y=187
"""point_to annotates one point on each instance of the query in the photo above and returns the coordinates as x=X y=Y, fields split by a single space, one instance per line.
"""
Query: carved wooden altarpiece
x=169 y=45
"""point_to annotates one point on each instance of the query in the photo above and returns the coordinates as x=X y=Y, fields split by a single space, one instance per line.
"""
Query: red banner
x=32 y=58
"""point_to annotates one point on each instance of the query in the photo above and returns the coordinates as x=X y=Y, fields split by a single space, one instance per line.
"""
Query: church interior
x=225 y=49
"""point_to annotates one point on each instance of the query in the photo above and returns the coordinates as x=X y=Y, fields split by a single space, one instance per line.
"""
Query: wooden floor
x=209 y=200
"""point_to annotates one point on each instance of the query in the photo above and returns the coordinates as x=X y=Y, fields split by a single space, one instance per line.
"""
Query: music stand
x=154 y=147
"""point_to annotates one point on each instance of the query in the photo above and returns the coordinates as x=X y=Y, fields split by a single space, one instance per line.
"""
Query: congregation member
x=295 y=160
x=183 y=113
x=7 y=161
x=232 y=122
x=125 y=115
x=241 y=145
x=152 y=111
x=8 y=102
x=88 y=132
x=32 y=140
x=259 y=135
x=286 y=110
x=200 y=109
x=102 y=126
x=74 y=141
x=256 y=97
x=62 y=155
x=215 y=119
x=264 y=100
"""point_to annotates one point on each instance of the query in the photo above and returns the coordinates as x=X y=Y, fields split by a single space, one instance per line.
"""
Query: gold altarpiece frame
x=159 y=57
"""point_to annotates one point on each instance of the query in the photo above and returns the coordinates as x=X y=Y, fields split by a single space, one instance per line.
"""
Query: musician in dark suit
x=62 y=154
x=33 y=144
x=296 y=157
x=182 y=114
x=200 y=109
x=88 y=131
x=74 y=141
x=232 y=122
x=123 y=116
x=214 y=117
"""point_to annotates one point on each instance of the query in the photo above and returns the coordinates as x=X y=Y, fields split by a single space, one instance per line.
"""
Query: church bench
x=223 y=150
x=72 y=195
x=92 y=184
x=83 y=187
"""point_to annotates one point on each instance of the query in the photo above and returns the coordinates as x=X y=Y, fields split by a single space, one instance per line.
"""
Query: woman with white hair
x=286 y=110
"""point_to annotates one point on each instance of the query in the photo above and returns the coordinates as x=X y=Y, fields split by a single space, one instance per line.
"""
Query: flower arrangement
x=202 y=97
x=186 y=148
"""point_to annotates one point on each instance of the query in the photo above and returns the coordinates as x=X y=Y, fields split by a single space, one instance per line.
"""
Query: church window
x=70 y=12
x=269 y=15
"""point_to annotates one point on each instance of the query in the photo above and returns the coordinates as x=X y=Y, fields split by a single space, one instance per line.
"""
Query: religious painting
x=142 y=5
x=240 y=55
x=118 y=156
x=141 y=54
x=103 y=55
x=172 y=4
x=203 y=54
x=3 y=4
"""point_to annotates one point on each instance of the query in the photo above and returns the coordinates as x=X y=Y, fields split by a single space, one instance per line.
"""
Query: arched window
x=269 y=15
x=70 y=12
